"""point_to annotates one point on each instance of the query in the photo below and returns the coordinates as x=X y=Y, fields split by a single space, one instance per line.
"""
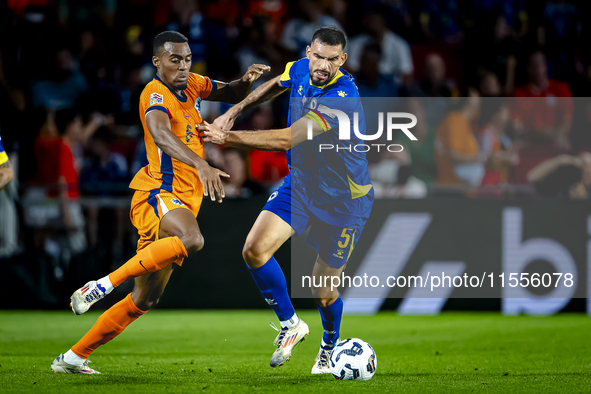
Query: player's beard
x=180 y=85
x=319 y=82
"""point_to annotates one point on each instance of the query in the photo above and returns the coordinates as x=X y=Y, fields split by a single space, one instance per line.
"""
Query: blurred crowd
x=490 y=81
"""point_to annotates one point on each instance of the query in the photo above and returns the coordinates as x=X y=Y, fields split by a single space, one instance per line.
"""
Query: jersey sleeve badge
x=156 y=98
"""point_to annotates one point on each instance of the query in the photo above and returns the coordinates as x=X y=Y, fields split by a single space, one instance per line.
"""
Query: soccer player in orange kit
x=168 y=193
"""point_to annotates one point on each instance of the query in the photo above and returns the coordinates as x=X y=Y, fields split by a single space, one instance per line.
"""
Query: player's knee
x=254 y=255
x=193 y=242
x=145 y=302
x=146 y=305
x=324 y=296
x=324 y=302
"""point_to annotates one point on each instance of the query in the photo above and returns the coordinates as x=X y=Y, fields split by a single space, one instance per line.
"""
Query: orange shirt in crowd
x=454 y=134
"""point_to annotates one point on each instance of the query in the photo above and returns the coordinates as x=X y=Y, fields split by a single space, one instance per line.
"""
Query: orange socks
x=108 y=326
x=153 y=257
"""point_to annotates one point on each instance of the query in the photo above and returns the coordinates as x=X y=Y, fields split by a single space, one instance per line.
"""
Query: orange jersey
x=164 y=172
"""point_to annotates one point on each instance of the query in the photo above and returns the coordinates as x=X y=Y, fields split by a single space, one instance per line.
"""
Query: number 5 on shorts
x=346 y=238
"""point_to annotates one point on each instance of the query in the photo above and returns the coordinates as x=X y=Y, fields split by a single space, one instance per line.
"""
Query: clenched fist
x=254 y=72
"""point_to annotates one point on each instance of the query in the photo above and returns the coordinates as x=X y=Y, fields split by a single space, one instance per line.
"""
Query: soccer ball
x=353 y=359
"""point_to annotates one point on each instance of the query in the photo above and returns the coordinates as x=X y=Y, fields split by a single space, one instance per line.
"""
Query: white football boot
x=85 y=297
x=286 y=341
x=60 y=366
x=322 y=362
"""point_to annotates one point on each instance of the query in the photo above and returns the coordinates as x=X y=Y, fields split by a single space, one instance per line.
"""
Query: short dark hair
x=373 y=46
x=167 y=36
x=102 y=135
x=330 y=35
x=63 y=118
x=534 y=52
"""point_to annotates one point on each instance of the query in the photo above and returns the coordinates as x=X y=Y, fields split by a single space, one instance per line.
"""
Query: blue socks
x=331 y=321
x=273 y=286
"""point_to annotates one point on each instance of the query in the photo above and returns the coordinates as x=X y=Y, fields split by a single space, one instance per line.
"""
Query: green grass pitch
x=229 y=351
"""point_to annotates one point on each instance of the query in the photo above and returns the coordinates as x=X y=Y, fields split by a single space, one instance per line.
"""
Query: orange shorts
x=148 y=209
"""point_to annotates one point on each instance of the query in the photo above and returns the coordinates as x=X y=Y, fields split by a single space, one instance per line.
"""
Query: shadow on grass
x=118 y=379
x=480 y=374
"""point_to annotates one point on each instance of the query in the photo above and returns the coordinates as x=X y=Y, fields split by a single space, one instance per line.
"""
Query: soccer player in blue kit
x=327 y=190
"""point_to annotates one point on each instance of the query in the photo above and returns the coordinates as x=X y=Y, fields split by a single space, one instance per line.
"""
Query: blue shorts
x=334 y=243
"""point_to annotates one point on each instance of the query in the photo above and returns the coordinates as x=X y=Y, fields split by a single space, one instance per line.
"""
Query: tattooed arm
x=6 y=174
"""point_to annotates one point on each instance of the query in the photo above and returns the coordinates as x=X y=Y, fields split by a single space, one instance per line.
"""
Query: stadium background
x=94 y=57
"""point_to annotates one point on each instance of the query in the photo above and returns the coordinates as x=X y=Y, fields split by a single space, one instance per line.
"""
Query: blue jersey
x=335 y=181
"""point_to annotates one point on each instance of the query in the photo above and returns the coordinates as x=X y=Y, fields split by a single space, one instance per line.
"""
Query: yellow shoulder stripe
x=358 y=190
x=3 y=158
x=285 y=75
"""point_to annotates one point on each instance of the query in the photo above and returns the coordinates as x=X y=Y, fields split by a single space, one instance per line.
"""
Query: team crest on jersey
x=342 y=93
x=198 y=105
x=156 y=98
x=300 y=90
x=313 y=103
x=176 y=201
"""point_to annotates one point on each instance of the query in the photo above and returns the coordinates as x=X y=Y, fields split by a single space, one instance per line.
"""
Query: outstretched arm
x=542 y=170
x=237 y=90
x=272 y=140
x=266 y=91
x=159 y=127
